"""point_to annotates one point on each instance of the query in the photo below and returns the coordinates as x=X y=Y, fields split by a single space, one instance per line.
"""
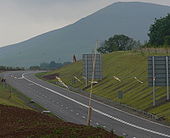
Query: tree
x=118 y=43
x=35 y=68
x=167 y=40
x=159 y=31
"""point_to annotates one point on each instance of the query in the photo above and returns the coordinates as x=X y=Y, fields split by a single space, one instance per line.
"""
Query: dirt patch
x=51 y=77
x=22 y=123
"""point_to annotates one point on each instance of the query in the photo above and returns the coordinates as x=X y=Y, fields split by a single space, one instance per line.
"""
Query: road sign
x=159 y=70
x=88 y=62
x=159 y=73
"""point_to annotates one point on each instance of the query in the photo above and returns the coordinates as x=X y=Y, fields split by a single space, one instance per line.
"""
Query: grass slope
x=9 y=96
x=125 y=66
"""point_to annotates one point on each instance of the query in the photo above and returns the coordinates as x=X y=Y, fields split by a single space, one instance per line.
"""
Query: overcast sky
x=23 y=19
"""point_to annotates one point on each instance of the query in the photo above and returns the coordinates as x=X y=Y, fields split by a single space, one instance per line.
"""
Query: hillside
x=132 y=19
x=126 y=66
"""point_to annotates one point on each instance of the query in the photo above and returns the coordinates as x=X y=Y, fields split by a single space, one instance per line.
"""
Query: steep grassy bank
x=126 y=66
x=10 y=97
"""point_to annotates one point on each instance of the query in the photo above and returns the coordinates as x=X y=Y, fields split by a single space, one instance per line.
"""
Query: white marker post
x=153 y=75
x=167 y=77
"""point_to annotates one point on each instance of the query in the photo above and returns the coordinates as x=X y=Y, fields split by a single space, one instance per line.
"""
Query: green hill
x=125 y=66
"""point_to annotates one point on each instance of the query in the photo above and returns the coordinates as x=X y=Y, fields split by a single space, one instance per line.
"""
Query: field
x=24 y=123
x=131 y=68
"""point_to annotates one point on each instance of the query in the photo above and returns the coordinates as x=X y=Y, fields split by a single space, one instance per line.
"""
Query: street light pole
x=91 y=89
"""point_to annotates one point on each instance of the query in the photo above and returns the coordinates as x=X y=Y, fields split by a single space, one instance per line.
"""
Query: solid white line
x=110 y=106
x=100 y=112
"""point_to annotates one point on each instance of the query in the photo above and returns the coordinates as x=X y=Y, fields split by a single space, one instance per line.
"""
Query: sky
x=23 y=19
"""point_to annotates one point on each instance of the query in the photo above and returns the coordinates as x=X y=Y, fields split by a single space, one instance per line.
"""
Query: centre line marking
x=98 y=111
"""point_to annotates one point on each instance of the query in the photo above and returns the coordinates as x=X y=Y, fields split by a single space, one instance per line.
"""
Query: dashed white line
x=71 y=110
x=83 y=117
x=124 y=134
x=77 y=113
x=97 y=123
x=98 y=111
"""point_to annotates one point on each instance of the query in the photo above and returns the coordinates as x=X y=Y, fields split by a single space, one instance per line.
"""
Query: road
x=73 y=107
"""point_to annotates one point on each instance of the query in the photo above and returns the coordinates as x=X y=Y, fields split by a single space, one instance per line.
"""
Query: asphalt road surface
x=73 y=107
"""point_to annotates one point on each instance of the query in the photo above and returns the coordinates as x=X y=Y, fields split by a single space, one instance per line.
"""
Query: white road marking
x=112 y=107
x=77 y=113
x=98 y=111
x=97 y=123
x=109 y=105
x=83 y=117
x=71 y=110
x=124 y=134
x=20 y=78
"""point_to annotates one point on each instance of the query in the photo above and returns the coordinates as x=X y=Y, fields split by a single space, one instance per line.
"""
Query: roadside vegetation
x=24 y=123
x=10 y=96
x=125 y=65
x=19 y=119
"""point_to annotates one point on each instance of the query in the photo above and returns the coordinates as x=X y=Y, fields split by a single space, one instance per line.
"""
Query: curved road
x=73 y=107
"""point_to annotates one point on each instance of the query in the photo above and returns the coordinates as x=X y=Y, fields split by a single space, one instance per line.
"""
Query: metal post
x=86 y=64
x=101 y=67
x=167 y=77
x=153 y=71
x=90 y=97
x=89 y=111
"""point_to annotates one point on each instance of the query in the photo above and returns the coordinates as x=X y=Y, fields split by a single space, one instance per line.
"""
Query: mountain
x=129 y=18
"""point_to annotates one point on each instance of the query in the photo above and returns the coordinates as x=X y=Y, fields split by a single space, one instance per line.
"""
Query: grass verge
x=126 y=66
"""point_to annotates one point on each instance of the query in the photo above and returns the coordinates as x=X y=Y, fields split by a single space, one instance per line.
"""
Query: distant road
x=72 y=107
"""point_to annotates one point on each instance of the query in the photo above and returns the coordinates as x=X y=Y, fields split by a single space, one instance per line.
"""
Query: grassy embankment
x=125 y=66
x=10 y=96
